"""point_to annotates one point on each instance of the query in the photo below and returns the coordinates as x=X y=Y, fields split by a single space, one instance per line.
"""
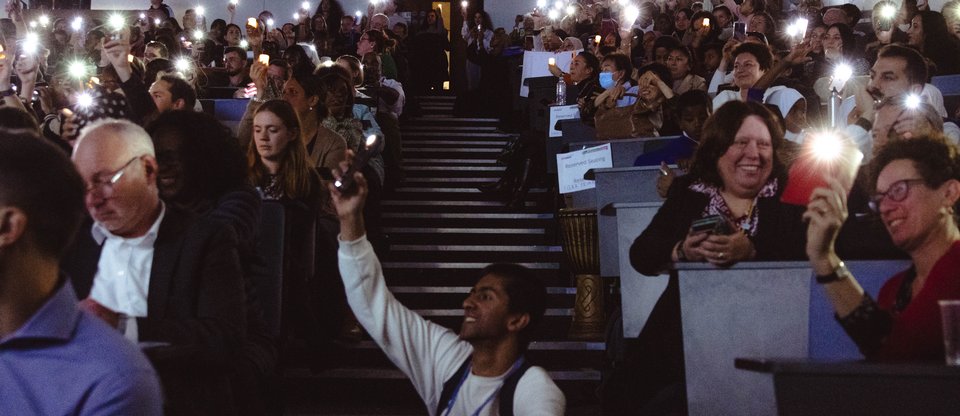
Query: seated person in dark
x=55 y=359
x=235 y=72
x=154 y=269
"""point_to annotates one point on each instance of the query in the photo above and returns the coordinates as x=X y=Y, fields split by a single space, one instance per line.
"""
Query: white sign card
x=535 y=64
x=561 y=112
x=571 y=167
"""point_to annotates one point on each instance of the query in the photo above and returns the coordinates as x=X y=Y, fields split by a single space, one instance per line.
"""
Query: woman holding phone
x=916 y=188
x=734 y=185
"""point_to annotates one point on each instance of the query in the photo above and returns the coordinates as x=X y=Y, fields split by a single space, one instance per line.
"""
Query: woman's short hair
x=761 y=52
x=936 y=160
x=622 y=62
x=719 y=133
x=356 y=74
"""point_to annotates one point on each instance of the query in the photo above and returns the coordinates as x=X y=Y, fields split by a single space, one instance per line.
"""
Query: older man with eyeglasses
x=154 y=271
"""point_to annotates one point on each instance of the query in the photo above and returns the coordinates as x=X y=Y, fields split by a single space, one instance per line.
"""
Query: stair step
x=455 y=168
x=407 y=148
x=448 y=230
x=455 y=190
x=467 y=215
x=433 y=119
x=418 y=161
x=493 y=144
x=449 y=134
x=473 y=248
x=464 y=277
x=459 y=180
x=460 y=265
x=414 y=128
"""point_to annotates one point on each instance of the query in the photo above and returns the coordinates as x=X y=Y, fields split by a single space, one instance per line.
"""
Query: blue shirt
x=676 y=149
x=66 y=362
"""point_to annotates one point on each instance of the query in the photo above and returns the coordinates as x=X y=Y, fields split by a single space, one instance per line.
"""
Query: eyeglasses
x=897 y=192
x=105 y=186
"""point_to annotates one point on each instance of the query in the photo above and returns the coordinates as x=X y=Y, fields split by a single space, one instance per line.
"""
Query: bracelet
x=7 y=93
x=681 y=256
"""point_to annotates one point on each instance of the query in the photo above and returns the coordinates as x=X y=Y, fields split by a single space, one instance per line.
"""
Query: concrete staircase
x=442 y=230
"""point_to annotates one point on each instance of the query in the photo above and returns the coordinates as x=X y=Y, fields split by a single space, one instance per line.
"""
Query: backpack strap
x=509 y=388
x=451 y=384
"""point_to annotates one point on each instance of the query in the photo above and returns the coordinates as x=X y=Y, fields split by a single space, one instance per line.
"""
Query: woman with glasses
x=917 y=185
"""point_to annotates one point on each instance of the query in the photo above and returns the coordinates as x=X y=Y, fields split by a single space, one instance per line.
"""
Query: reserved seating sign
x=571 y=167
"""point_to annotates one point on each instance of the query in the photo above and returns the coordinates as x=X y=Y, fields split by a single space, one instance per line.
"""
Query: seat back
x=270 y=248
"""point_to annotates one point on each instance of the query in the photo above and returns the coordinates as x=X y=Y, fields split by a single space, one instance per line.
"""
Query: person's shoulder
x=106 y=352
x=536 y=382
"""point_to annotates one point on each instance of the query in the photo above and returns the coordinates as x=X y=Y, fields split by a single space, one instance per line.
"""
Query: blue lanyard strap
x=453 y=397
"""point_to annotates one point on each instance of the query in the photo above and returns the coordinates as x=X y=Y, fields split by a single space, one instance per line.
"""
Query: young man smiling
x=469 y=374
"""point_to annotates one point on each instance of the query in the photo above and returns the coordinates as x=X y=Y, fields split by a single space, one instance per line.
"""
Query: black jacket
x=781 y=234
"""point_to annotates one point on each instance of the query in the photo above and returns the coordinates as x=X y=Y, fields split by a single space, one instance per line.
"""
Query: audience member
x=324 y=147
x=235 y=72
x=55 y=358
x=462 y=372
x=154 y=271
x=916 y=188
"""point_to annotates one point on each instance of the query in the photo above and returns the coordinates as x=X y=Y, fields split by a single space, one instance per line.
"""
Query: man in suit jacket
x=151 y=269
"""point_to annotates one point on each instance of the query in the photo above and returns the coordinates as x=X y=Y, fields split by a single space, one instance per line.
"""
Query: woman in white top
x=750 y=62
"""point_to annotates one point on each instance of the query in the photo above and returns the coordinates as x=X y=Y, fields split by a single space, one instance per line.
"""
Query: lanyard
x=453 y=398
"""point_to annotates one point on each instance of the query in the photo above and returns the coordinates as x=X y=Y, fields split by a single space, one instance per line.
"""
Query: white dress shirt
x=122 y=281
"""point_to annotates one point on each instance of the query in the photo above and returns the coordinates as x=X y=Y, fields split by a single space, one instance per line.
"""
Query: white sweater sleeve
x=427 y=353
x=538 y=395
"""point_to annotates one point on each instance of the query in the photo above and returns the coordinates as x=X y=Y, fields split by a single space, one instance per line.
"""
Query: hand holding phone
x=346 y=184
x=824 y=155
x=739 y=31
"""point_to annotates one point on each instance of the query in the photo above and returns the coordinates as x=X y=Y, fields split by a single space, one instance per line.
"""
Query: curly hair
x=935 y=159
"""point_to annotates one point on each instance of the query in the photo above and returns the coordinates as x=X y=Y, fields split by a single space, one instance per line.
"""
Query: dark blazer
x=781 y=234
x=196 y=294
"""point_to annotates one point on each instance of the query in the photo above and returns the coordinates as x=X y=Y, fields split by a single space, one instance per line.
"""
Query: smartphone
x=346 y=185
x=739 y=30
x=809 y=172
x=528 y=43
x=264 y=59
x=713 y=224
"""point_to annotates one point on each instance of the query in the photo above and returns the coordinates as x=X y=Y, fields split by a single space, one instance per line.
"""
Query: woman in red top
x=917 y=185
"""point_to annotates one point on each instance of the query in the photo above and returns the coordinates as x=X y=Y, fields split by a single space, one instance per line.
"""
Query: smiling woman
x=917 y=186
x=734 y=183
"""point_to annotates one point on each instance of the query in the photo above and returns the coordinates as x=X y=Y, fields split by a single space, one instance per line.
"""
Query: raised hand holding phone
x=825 y=155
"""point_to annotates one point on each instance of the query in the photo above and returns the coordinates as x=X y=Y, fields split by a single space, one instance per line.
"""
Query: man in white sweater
x=458 y=375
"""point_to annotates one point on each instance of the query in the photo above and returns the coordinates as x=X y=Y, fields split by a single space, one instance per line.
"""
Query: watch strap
x=839 y=273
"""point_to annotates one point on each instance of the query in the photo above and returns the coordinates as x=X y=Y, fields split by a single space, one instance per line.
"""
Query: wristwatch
x=839 y=273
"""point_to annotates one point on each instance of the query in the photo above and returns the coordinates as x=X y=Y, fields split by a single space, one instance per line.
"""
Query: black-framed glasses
x=105 y=186
x=897 y=192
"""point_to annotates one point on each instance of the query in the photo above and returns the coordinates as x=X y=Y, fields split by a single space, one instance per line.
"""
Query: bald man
x=155 y=272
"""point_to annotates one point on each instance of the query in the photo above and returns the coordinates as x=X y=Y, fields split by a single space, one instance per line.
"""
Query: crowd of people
x=171 y=252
